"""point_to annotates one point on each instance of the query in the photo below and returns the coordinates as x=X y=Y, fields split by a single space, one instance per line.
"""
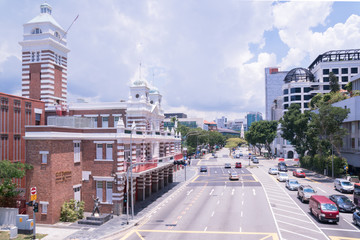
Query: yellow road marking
x=128 y=235
x=311 y=180
x=342 y=238
x=139 y=235
x=256 y=179
x=199 y=162
x=266 y=237
x=195 y=178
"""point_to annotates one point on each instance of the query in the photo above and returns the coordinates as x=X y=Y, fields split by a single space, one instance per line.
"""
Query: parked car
x=343 y=203
x=241 y=155
x=356 y=218
x=233 y=176
x=282 y=167
x=282 y=177
x=305 y=192
x=343 y=185
x=323 y=208
x=273 y=170
x=203 y=169
x=238 y=165
x=227 y=165
x=292 y=184
x=255 y=160
x=299 y=173
x=237 y=156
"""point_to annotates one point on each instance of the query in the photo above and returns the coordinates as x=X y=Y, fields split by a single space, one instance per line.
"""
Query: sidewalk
x=61 y=230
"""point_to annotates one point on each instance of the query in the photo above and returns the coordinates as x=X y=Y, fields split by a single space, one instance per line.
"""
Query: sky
x=206 y=57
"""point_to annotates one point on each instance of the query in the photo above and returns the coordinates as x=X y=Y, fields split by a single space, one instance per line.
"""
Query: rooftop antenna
x=69 y=27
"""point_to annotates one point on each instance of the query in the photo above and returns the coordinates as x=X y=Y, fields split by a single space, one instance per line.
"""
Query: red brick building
x=15 y=113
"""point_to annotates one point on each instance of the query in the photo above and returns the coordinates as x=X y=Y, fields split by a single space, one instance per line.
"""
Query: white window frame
x=109 y=192
x=76 y=151
x=44 y=207
x=99 y=190
x=105 y=120
x=99 y=151
x=109 y=151
x=44 y=158
x=116 y=120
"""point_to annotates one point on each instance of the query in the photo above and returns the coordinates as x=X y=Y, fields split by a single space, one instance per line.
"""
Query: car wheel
x=302 y=199
x=319 y=217
x=311 y=211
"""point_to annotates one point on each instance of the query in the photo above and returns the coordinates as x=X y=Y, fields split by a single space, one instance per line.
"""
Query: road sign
x=33 y=194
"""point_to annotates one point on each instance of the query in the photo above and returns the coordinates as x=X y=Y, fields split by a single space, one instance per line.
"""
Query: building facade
x=253 y=117
x=274 y=79
x=16 y=113
x=44 y=60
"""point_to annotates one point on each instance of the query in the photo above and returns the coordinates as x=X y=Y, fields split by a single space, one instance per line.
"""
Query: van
x=323 y=209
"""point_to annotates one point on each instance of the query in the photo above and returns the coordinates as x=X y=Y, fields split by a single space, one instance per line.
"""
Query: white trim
x=47 y=76
x=25 y=82
x=25 y=77
x=104 y=115
x=77 y=185
x=26 y=66
x=46 y=92
x=117 y=115
x=25 y=87
x=48 y=81
x=25 y=92
x=44 y=203
x=86 y=175
x=39 y=111
x=117 y=194
x=103 y=178
x=103 y=160
x=47 y=86
x=44 y=152
x=91 y=115
x=106 y=142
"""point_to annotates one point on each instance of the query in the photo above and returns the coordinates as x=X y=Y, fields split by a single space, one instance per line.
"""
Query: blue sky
x=206 y=57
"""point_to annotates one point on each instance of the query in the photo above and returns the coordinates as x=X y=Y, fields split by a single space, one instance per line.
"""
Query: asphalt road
x=255 y=207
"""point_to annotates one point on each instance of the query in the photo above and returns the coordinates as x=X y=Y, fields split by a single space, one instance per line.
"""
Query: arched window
x=36 y=31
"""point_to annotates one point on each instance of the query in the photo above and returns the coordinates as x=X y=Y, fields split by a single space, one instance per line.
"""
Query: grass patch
x=4 y=235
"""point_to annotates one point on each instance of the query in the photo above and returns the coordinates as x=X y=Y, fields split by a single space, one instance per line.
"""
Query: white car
x=273 y=170
x=343 y=185
x=282 y=176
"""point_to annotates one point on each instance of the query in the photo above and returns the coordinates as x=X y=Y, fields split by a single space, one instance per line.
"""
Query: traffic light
x=36 y=207
x=125 y=198
x=30 y=204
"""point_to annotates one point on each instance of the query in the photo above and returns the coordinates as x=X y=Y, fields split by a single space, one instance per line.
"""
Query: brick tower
x=44 y=60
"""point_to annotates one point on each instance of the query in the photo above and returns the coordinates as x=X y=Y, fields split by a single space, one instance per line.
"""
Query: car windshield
x=344 y=200
x=299 y=171
x=274 y=169
x=346 y=184
x=283 y=174
x=328 y=207
x=234 y=174
x=309 y=190
x=293 y=182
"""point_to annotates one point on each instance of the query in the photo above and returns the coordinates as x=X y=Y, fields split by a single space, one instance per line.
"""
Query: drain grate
x=159 y=220
x=170 y=225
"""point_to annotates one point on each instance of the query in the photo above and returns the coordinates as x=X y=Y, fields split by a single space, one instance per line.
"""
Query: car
x=292 y=184
x=299 y=173
x=237 y=156
x=356 y=218
x=273 y=170
x=255 y=160
x=227 y=165
x=282 y=167
x=238 y=165
x=343 y=185
x=241 y=155
x=323 y=208
x=305 y=192
x=203 y=169
x=343 y=203
x=282 y=177
x=233 y=176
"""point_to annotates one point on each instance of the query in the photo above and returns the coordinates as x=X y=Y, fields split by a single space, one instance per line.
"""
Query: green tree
x=294 y=125
x=234 y=142
x=334 y=83
x=262 y=133
x=8 y=189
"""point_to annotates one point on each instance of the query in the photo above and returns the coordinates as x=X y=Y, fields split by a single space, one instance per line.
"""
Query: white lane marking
x=232 y=192
x=254 y=192
x=279 y=209
x=241 y=213
x=222 y=194
x=212 y=213
x=286 y=206
x=218 y=202
x=274 y=198
x=242 y=186
x=321 y=189
x=339 y=229
x=215 y=171
x=205 y=229
x=225 y=185
x=188 y=193
x=242 y=171
x=243 y=194
x=297 y=225
x=212 y=190
x=297 y=219
x=297 y=234
x=242 y=202
x=351 y=224
x=240 y=229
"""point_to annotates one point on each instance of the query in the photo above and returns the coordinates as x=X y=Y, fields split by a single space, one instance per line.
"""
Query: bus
x=357 y=194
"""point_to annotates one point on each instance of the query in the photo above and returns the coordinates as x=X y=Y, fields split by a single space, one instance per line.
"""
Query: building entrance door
x=77 y=193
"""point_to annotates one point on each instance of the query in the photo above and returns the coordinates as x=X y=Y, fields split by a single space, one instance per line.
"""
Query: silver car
x=292 y=184
x=343 y=185
x=282 y=177
x=305 y=192
x=273 y=170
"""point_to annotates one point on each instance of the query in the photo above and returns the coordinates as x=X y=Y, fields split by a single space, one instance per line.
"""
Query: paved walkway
x=118 y=223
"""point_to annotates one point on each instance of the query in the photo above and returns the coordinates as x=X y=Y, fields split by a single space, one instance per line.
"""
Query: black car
x=343 y=202
x=282 y=167
x=203 y=169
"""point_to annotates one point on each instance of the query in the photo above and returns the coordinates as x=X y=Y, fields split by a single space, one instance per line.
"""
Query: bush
x=318 y=163
x=72 y=211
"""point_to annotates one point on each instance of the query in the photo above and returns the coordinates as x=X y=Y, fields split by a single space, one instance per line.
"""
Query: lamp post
x=332 y=161
x=127 y=180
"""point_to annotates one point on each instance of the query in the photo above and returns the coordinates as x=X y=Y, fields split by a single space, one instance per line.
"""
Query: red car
x=299 y=173
x=238 y=165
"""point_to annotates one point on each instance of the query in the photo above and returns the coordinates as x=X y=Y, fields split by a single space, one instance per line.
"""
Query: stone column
x=166 y=177
x=171 y=175
x=148 y=184
x=154 y=181
x=161 y=179
x=141 y=188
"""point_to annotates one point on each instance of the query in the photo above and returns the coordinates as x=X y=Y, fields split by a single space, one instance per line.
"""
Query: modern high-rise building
x=253 y=117
x=44 y=60
x=274 y=79
x=222 y=122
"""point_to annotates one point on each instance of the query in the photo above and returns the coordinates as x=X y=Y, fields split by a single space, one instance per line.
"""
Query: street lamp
x=127 y=179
